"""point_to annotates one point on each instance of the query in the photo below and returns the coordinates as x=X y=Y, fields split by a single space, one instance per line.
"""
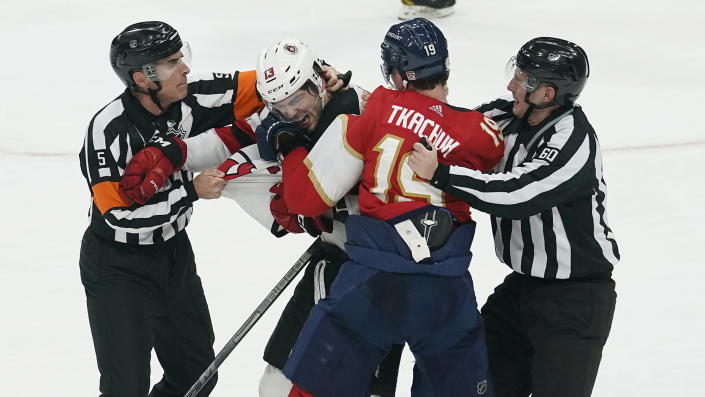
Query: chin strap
x=152 y=94
x=533 y=106
x=323 y=93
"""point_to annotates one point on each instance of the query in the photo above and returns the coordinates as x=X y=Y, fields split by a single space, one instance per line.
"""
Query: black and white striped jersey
x=123 y=127
x=546 y=196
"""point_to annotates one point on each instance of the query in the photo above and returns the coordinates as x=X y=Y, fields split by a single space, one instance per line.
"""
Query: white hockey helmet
x=285 y=67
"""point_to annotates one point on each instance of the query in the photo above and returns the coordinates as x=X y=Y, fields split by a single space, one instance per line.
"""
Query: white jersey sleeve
x=251 y=189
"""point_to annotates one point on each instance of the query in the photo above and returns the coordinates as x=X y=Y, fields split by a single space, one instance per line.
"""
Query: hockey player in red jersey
x=291 y=83
x=407 y=280
x=300 y=91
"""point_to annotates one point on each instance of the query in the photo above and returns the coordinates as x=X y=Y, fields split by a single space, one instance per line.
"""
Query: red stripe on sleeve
x=226 y=135
x=246 y=128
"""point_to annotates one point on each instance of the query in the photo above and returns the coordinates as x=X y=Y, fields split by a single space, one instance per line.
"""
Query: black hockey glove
x=294 y=223
x=276 y=138
x=345 y=78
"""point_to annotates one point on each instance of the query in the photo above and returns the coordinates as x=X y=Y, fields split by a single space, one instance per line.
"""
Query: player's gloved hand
x=294 y=223
x=276 y=138
x=150 y=168
x=288 y=141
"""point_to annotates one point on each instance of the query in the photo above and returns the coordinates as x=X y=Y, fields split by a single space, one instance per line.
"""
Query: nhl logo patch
x=410 y=75
x=133 y=43
x=437 y=108
x=291 y=48
x=175 y=129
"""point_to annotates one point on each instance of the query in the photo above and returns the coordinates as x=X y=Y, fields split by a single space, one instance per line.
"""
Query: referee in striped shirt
x=137 y=264
x=549 y=319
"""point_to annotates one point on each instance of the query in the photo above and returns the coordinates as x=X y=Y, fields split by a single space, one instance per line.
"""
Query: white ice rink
x=645 y=99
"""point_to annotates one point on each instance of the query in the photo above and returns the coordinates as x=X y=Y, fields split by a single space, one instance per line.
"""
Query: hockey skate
x=426 y=9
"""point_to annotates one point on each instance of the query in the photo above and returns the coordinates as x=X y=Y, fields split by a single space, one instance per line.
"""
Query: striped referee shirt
x=123 y=127
x=546 y=197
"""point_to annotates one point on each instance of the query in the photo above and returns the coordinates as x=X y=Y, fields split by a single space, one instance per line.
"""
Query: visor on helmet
x=296 y=106
x=390 y=59
x=163 y=69
x=386 y=69
x=521 y=77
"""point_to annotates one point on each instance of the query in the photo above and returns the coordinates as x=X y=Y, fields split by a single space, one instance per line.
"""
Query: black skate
x=411 y=9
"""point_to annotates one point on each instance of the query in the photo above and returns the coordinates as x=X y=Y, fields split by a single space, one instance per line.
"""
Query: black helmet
x=558 y=62
x=140 y=44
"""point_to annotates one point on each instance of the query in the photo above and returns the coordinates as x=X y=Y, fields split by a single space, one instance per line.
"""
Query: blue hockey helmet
x=417 y=49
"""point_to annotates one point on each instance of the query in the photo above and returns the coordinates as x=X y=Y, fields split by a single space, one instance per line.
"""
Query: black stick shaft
x=249 y=323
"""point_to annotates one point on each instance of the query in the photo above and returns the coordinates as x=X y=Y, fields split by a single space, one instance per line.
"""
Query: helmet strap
x=323 y=92
x=153 y=95
x=533 y=106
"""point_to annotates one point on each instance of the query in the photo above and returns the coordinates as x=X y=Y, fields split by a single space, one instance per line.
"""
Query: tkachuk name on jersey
x=419 y=124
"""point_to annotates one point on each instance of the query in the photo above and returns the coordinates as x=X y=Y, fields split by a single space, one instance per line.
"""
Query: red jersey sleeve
x=482 y=146
x=315 y=181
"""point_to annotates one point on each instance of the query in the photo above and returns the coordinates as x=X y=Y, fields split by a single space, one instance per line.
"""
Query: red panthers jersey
x=373 y=149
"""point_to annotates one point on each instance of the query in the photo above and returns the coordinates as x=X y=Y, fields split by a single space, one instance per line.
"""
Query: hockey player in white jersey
x=298 y=109
x=301 y=93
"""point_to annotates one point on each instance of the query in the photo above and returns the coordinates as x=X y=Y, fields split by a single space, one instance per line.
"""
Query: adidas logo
x=437 y=108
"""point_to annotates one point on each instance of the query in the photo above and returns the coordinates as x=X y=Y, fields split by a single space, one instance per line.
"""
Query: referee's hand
x=423 y=161
x=209 y=184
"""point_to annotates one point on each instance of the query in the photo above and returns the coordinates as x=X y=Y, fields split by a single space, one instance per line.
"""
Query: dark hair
x=311 y=87
x=430 y=83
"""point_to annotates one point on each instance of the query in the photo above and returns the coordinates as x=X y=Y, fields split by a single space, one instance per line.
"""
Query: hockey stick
x=250 y=322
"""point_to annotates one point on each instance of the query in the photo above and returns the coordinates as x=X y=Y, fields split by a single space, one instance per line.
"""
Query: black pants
x=319 y=275
x=546 y=336
x=144 y=297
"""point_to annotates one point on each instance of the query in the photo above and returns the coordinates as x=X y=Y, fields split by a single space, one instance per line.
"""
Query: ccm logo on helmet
x=275 y=89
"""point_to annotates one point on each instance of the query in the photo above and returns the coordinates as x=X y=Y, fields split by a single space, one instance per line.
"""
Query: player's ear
x=549 y=94
x=141 y=79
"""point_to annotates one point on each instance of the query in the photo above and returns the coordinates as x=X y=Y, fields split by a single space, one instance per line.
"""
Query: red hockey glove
x=294 y=223
x=150 y=168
